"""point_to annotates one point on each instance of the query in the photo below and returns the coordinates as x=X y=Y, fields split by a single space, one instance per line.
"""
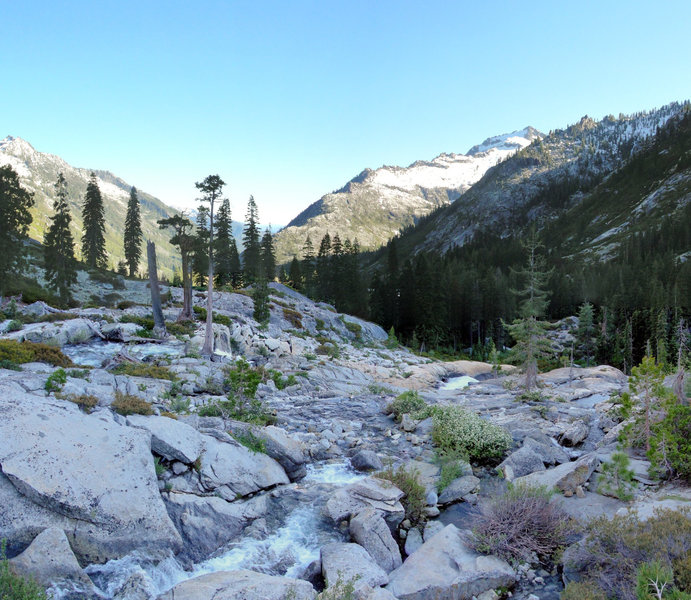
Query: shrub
x=328 y=349
x=415 y=499
x=615 y=548
x=521 y=525
x=617 y=478
x=670 y=443
x=354 y=328
x=243 y=379
x=78 y=373
x=408 y=402
x=17 y=353
x=145 y=370
x=125 y=304
x=14 y=325
x=160 y=468
x=86 y=402
x=280 y=381
x=239 y=409
x=449 y=468
x=14 y=587
x=391 y=341
x=9 y=365
x=56 y=380
x=655 y=581
x=250 y=441
x=181 y=328
x=180 y=405
x=126 y=404
x=293 y=317
x=221 y=319
x=457 y=430
x=143 y=322
x=582 y=590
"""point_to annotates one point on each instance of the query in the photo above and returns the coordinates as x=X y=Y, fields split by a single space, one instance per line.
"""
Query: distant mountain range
x=38 y=173
x=572 y=177
x=378 y=204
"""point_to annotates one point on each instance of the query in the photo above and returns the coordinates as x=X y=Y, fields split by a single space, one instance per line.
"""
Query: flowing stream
x=457 y=383
x=287 y=551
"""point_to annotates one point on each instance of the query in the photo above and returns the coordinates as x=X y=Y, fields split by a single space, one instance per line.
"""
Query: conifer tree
x=308 y=267
x=529 y=331
x=15 y=218
x=185 y=241
x=133 y=233
x=260 y=295
x=58 y=245
x=250 y=240
x=211 y=189
x=323 y=269
x=223 y=251
x=295 y=274
x=93 y=218
x=200 y=260
x=585 y=334
x=268 y=255
x=235 y=265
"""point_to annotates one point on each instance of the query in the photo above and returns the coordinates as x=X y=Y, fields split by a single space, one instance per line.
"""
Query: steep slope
x=542 y=181
x=38 y=173
x=376 y=205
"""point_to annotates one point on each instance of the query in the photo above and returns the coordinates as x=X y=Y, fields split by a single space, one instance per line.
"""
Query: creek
x=288 y=550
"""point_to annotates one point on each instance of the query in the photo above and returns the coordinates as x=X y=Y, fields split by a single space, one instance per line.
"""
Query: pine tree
x=133 y=233
x=528 y=330
x=212 y=189
x=93 y=218
x=268 y=255
x=235 y=265
x=295 y=274
x=185 y=242
x=200 y=260
x=223 y=251
x=58 y=245
x=250 y=240
x=15 y=218
x=323 y=269
x=585 y=333
x=308 y=267
x=260 y=295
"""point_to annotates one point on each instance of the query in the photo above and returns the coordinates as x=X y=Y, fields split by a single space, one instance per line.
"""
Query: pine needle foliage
x=58 y=245
x=133 y=233
x=93 y=217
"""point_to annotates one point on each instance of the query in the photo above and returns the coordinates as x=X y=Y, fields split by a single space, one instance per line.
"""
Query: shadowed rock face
x=98 y=483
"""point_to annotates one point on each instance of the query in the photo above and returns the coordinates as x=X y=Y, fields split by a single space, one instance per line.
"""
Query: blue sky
x=288 y=100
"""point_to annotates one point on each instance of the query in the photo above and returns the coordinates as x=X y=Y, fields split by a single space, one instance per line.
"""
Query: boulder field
x=79 y=488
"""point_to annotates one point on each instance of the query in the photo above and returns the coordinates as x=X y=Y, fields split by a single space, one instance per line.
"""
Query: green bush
x=248 y=410
x=56 y=380
x=14 y=325
x=328 y=348
x=616 y=479
x=522 y=523
x=582 y=590
x=655 y=581
x=180 y=405
x=18 y=353
x=408 y=403
x=181 y=328
x=457 y=430
x=126 y=404
x=280 y=381
x=614 y=549
x=670 y=443
x=250 y=441
x=143 y=322
x=9 y=365
x=450 y=468
x=415 y=499
x=125 y=304
x=145 y=370
x=14 y=587
x=221 y=319
x=243 y=379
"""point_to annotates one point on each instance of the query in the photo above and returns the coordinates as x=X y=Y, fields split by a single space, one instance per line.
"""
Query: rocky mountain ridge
x=557 y=174
x=376 y=204
x=38 y=172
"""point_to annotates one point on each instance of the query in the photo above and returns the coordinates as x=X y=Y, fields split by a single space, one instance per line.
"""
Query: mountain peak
x=507 y=141
x=16 y=146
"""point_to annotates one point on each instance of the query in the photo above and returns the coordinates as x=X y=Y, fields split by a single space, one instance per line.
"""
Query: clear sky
x=288 y=100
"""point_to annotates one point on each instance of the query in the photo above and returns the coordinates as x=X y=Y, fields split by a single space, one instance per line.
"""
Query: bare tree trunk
x=186 y=313
x=159 y=322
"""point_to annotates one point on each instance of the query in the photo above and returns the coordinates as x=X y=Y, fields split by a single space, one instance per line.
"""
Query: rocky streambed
x=173 y=505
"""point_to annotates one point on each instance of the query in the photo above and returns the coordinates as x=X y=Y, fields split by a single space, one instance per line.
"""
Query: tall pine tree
x=308 y=267
x=133 y=233
x=93 y=218
x=58 y=245
x=223 y=252
x=200 y=259
x=250 y=240
x=185 y=242
x=15 y=219
x=268 y=255
x=212 y=190
x=529 y=331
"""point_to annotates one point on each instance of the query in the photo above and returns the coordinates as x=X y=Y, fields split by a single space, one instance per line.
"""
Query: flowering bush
x=457 y=430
